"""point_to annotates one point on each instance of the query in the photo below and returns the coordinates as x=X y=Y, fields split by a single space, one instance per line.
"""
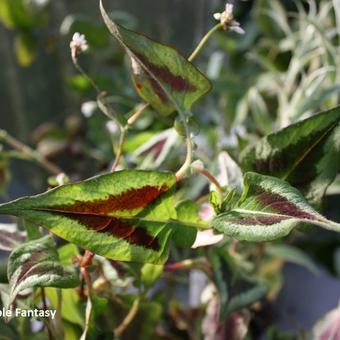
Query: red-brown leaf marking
x=27 y=265
x=281 y=205
x=259 y=220
x=176 y=82
x=129 y=200
x=158 y=90
x=117 y=228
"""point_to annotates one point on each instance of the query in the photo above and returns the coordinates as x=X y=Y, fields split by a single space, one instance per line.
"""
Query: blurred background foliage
x=285 y=68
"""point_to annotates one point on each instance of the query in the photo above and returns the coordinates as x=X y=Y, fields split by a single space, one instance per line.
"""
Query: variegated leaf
x=122 y=215
x=161 y=75
x=36 y=264
x=305 y=154
x=268 y=208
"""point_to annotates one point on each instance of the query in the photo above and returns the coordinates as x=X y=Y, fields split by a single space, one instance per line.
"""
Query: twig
x=204 y=41
x=188 y=159
x=205 y=172
x=31 y=153
x=85 y=263
x=43 y=298
x=186 y=165
x=118 y=331
x=132 y=120
x=119 y=152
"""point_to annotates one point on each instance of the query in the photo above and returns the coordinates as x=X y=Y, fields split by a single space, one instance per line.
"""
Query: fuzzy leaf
x=305 y=154
x=161 y=76
x=119 y=215
x=10 y=236
x=268 y=208
x=36 y=264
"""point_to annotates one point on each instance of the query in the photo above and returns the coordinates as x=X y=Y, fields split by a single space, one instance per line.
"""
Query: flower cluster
x=78 y=44
x=227 y=19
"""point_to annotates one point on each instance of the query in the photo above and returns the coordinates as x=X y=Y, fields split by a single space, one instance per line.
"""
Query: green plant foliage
x=236 y=289
x=268 y=208
x=292 y=254
x=305 y=154
x=187 y=211
x=118 y=215
x=150 y=247
x=36 y=264
x=161 y=76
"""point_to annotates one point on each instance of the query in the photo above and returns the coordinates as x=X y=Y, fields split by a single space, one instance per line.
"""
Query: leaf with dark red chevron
x=36 y=264
x=268 y=208
x=161 y=75
x=123 y=215
x=305 y=154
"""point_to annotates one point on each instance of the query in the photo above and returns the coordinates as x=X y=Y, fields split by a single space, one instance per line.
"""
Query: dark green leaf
x=161 y=76
x=305 y=154
x=268 y=208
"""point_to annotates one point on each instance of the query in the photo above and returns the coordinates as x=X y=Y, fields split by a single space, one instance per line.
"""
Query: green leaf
x=122 y=215
x=71 y=305
x=292 y=254
x=161 y=76
x=187 y=211
x=236 y=289
x=268 y=208
x=305 y=154
x=150 y=273
x=36 y=264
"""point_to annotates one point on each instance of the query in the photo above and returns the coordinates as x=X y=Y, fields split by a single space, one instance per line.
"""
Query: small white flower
x=78 y=43
x=88 y=108
x=227 y=19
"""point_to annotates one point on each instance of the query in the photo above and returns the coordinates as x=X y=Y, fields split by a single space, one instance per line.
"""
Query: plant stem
x=182 y=171
x=137 y=114
x=31 y=153
x=85 y=263
x=82 y=71
x=204 y=41
x=118 y=331
x=211 y=179
x=119 y=153
x=43 y=298
x=186 y=165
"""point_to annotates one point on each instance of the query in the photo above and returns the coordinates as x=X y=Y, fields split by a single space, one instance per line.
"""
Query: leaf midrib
x=307 y=152
x=128 y=218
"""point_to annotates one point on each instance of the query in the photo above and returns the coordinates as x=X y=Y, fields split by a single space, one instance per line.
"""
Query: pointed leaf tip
x=161 y=75
x=269 y=208
x=122 y=215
